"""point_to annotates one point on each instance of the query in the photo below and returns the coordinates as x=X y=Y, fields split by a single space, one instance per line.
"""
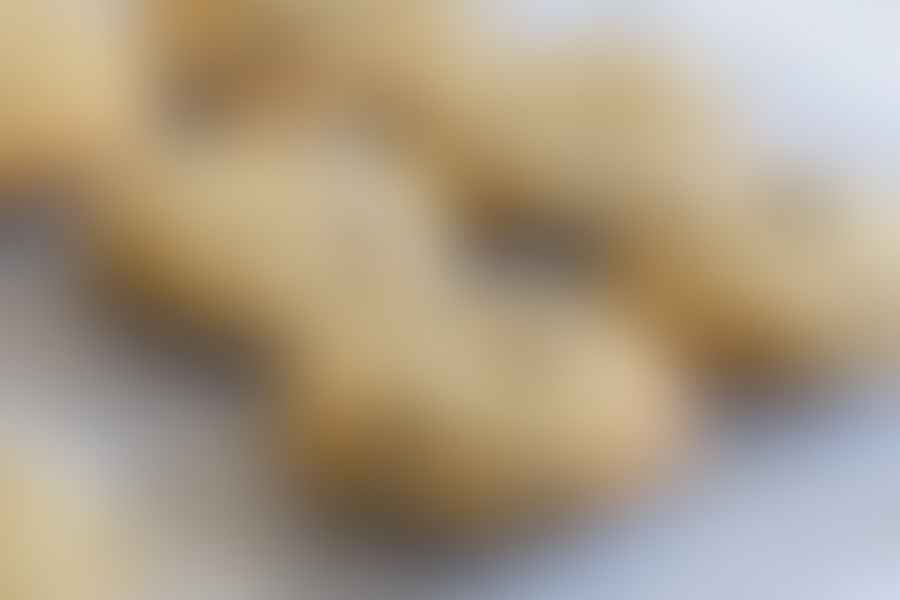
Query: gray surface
x=790 y=505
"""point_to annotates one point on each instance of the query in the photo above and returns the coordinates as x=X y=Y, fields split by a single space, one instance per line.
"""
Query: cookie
x=520 y=413
x=207 y=51
x=238 y=227
x=764 y=278
x=71 y=75
x=256 y=55
x=549 y=128
x=52 y=547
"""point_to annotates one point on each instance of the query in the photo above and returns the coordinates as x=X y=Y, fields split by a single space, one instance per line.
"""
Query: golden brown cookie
x=240 y=226
x=209 y=50
x=469 y=423
x=563 y=130
x=50 y=546
x=71 y=78
x=233 y=56
x=762 y=277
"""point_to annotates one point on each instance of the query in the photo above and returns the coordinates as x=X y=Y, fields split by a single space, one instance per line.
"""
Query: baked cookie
x=241 y=227
x=765 y=277
x=467 y=424
x=562 y=130
x=50 y=548
x=209 y=50
x=71 y=75
x=222 y=57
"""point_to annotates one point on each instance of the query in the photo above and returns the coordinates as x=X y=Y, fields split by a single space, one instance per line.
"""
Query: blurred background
x=791 y=503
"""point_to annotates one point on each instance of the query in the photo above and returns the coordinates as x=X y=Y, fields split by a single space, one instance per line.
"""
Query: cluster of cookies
x=488 y=276
x=53 y=546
